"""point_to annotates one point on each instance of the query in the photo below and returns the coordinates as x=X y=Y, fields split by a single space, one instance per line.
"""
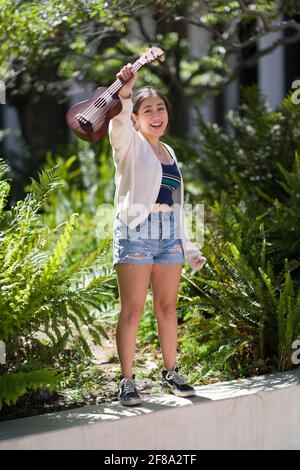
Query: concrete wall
x=258 y=413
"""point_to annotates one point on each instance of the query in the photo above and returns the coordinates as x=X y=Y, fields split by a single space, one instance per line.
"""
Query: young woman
x=150 y=241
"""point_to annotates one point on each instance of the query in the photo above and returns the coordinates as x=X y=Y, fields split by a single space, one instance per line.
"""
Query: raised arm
x=120 y=129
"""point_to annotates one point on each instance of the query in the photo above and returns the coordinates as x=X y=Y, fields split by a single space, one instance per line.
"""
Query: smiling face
x=152 y=117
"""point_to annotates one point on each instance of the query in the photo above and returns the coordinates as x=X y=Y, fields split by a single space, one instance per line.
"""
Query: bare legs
x=165 y=279
x=133 y=282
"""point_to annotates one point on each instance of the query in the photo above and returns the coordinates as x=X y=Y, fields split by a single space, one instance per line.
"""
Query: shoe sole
x=179 y=394
x=130 y=402
x=183 y=394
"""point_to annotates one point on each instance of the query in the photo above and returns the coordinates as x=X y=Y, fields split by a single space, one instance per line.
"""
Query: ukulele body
x=89 y=119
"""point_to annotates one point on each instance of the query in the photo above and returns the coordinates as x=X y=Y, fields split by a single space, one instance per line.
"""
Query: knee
x=165 y=311
x=131 y=316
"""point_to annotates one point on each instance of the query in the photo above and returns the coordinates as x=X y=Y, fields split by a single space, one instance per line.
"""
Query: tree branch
x=263 y=15
x=142 y=29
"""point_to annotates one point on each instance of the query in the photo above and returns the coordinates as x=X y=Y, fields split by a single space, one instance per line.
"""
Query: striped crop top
x=170 y=181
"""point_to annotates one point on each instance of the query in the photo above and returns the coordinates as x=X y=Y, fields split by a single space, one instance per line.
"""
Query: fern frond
x=15 y=385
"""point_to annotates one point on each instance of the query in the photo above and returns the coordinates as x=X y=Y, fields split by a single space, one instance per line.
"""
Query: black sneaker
x=128 y=394
x=177 y=383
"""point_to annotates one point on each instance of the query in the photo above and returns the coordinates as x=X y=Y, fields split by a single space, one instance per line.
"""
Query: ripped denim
x=153 y=241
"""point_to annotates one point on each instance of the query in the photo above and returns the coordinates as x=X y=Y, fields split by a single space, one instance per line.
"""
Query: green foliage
x=37 y=289
x=259 y=140
x=36 y=36
x=86 y=182
x=232 y=28
x=242 y=320
x=288 y=314
x=241 y=311
x=13 y=386
x=252 y=176
x=45 y=294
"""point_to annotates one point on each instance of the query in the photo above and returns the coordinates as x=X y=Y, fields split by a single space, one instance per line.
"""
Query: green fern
x=13 y=386
x=245 y=309
x=288 y=313
x=41 y=291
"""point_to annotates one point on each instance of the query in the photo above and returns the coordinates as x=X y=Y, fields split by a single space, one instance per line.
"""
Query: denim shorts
x=156 y=239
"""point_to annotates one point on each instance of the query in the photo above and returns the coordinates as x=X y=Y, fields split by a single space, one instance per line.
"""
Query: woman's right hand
x=127 y=72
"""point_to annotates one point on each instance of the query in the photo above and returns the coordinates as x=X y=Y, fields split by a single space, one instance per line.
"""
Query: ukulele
x=89 y=119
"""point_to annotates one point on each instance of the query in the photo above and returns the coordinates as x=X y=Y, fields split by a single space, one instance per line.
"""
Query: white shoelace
x=172 y=374
x=129 y=385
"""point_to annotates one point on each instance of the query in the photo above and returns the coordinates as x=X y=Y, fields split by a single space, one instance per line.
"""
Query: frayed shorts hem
x=145 y=262
x=135 y=246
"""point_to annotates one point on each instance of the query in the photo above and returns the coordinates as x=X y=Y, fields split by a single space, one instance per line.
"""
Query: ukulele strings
x=92 y=109
x=109 y=104
x=88 y=113
x=113 y=88
x=106 y=95
x=102 y=118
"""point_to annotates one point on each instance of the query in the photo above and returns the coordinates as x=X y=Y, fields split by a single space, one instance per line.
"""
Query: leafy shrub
x=242 y=308
x=43 y=298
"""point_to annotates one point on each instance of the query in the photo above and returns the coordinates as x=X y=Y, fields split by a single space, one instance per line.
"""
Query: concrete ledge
x=257 y=413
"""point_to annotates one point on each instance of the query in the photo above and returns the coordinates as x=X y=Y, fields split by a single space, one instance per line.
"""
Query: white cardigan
x=138 y=178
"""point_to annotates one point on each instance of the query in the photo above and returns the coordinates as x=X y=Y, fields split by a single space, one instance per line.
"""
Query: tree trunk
x=179 y=124
x=43 y=127
x=42 y=119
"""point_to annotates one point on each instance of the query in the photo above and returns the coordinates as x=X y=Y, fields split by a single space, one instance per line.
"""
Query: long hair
x=147 y=92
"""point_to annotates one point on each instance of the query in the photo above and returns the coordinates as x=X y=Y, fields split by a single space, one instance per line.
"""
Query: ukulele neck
x=117 y=84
